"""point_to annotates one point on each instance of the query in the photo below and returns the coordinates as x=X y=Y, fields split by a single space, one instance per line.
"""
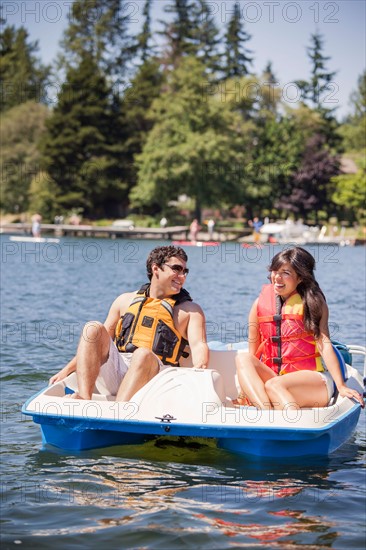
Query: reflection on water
x=237 y=501
x=177 y=488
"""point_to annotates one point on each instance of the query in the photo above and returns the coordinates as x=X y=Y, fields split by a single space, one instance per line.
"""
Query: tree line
x=142 y=119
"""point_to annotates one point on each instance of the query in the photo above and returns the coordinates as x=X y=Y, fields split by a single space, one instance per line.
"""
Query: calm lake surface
x=162 y=495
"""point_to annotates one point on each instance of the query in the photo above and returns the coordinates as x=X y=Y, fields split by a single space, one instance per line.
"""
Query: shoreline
x=173 y=233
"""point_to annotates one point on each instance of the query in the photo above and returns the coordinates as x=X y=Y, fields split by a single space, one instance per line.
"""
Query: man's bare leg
x=144 y=366
x=93 y=351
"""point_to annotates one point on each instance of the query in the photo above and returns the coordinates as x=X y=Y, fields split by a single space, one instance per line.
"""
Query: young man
x=144 y=332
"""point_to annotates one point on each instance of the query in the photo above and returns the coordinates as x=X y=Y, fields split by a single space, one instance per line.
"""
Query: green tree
x=270 y=93
x=198 y=146
x=237 y=55
x=22 y=76
x=354 y=129
x=319 y=88
x=178 y=31
x=206 y=36
x=20 y=131
x=45 y=197
x=134 y=122
x=144 y=38
x=358 y=98
x=275 y=156
x=80 y=151
x=320 y=91
x=99 y=28
x=311 y=184
x=350 y=194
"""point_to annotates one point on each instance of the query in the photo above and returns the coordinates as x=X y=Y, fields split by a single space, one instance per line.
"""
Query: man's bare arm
x=196 y=335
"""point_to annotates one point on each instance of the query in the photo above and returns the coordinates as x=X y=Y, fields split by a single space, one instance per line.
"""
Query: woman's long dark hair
x=303 y=264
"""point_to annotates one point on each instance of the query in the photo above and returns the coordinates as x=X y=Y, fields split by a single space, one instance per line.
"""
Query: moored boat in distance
x=195 y=243
x=288 y=231
x=25 y=239
x=188 y=402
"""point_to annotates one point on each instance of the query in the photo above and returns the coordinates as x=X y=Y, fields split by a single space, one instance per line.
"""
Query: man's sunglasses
x=178 y=269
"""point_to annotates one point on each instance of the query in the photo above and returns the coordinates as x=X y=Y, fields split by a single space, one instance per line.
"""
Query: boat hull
x=198 y=403
x=296 y=443
x=79 y=434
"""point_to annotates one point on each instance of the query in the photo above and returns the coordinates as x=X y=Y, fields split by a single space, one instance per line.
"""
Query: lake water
x=162 y=495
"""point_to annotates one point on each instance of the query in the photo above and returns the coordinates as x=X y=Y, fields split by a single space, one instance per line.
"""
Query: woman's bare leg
x=300 y=389
x=252 y=375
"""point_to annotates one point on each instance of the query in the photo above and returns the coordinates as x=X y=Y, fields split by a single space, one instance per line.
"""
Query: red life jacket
x=285 y=344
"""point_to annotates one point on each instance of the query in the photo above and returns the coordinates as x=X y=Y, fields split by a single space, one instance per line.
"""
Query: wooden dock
x=175 y=233
x=179 y=232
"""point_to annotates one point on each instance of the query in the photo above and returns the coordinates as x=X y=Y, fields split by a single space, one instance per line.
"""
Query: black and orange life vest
x=148 y=323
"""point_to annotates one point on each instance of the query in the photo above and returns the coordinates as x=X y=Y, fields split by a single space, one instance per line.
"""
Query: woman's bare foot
x=76 y=395
x=242 y=401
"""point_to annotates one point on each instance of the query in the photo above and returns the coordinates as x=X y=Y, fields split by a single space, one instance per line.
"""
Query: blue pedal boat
x=190 y=402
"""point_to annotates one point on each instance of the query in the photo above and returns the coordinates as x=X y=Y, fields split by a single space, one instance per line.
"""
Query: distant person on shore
x=163 y=222
x=74 y=219
x=256 y=224
x=193 y=230
x=210 y=228
x=36 y=225
x=124 y=360
x=291 y=360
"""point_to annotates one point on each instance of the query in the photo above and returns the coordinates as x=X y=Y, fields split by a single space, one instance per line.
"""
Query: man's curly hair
x=161 y=254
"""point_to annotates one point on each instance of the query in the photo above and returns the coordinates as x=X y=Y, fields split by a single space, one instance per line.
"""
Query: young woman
x=291 y=360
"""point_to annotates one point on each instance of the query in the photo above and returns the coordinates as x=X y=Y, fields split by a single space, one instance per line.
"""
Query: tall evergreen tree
x=206 y=36
x=100 y=28
x=135 y=122
x=269 y=74
x=178 y=32
x=80 y=152
x=318 y=91
x=143 y=40
x=237 y=55
x=270 y=92
x=22 y=75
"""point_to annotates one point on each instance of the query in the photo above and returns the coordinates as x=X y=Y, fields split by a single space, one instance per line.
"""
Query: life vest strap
x=277 y=317
x=266 y=319
x=292 y=316
x=292 y=337
x=279 y=360
x=167 y=306
x=302 y=358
